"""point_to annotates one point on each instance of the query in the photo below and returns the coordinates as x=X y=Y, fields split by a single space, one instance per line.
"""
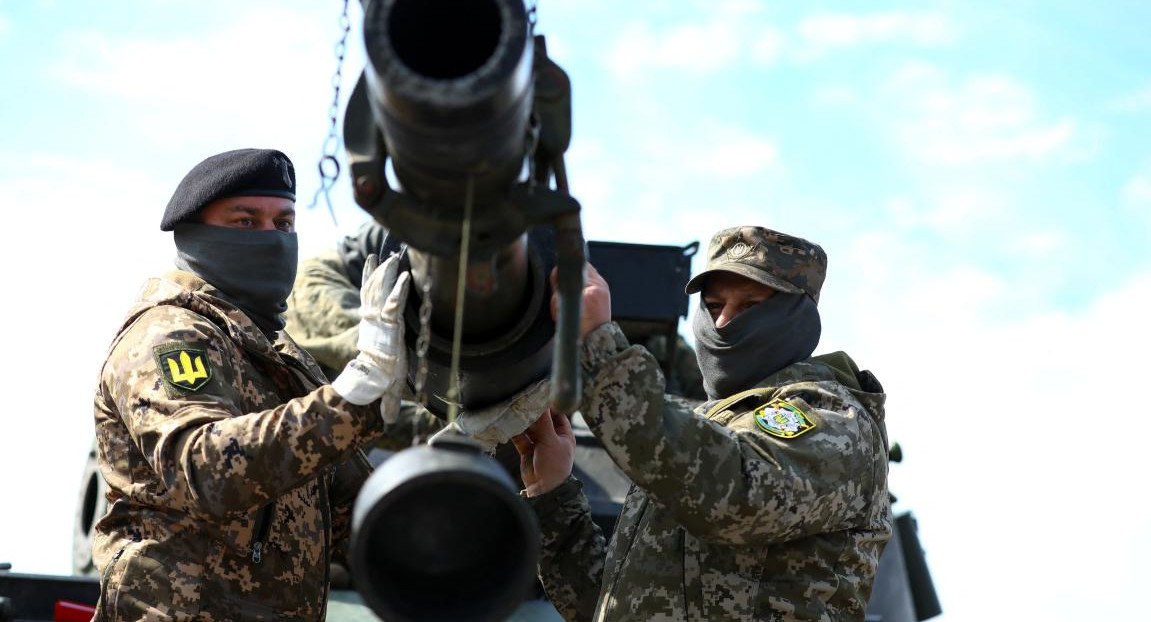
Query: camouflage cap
x=777 y=260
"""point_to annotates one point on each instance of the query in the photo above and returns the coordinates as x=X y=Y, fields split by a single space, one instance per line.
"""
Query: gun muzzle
x=440 y=533
x=470 y=112
x=449 y=86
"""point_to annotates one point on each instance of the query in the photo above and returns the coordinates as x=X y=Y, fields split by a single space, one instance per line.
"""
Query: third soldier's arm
x=722 y=484
x=323 y=311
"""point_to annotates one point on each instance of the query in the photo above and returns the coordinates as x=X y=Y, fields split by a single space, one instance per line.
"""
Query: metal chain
x=423 y=341
x=533 y=6
x=329 y=165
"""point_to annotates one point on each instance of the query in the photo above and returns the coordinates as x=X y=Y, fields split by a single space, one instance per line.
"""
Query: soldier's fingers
x=391 y=269
x=523 y=444
x=370 y=263
x=562 y=425
x=591 y=275
x=544 y=430
x=394 y=303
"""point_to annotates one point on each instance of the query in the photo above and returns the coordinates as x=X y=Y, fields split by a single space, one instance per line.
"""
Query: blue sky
x=979 y=173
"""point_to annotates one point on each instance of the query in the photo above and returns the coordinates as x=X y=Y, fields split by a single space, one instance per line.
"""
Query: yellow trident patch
x=183 y=367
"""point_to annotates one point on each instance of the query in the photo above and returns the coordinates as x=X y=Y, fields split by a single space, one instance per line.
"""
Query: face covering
x=767 y=337
x=254 y=270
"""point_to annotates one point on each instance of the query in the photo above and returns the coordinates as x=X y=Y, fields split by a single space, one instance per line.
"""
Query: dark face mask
x=253 y=270
x=771 y=335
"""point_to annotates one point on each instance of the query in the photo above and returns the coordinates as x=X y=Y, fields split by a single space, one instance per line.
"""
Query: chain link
x=422 y=342
x=329 y=164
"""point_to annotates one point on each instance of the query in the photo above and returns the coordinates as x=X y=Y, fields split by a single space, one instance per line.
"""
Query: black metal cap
x=241 y=172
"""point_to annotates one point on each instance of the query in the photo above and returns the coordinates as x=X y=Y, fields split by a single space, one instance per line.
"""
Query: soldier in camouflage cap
x=769 y=501
x=782 y=262
x=231 y=461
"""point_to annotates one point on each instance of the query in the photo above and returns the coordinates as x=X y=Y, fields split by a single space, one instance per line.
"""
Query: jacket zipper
x=602 y=608
x=263 y=526
x=326 y=513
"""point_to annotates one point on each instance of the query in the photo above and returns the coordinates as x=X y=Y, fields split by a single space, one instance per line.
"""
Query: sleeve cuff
x=600 y=345
x=547 y=503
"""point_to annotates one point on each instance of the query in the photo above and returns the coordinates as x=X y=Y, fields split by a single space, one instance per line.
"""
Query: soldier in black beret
x=231 y=462
x=233 y=218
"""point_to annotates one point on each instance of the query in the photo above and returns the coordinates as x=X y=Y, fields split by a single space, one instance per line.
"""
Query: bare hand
x=596 y=303
x=547 y=453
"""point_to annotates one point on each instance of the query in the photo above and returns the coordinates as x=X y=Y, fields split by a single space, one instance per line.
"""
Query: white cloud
x=4 y=24
x=1028 y=423
x=730 y=32
x=957 y=208
x=832 y=31
x=837 y=94
x=1139 y=100
x=946 y=209
x=1137 y=191
x=736 y=31
x=1038 y=244
x=978 y=119
x=693 y=47
x=646 y=201
x=768 y=46
x=730 y=152
x=245 y=76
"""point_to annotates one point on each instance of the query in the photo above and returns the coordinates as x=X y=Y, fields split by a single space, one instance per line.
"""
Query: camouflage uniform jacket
x=231 y=471
x=324 y=317
x=725 y=521
x=323 y=312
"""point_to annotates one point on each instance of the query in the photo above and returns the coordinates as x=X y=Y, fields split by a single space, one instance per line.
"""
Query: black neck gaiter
x=771 y=335
x=253 y=270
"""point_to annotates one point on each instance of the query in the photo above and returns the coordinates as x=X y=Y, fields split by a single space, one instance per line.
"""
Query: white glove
x=497 y=424
x=382 y=362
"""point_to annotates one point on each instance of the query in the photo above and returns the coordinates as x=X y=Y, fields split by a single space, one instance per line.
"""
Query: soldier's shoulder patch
x=783 y=419
x=182 y=366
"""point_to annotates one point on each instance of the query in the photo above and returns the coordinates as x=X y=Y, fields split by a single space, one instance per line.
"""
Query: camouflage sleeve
x=323 y=311
x=572 y=550
x=347 y=480
x=414 y=425
x=736 y=485
x=212 y=458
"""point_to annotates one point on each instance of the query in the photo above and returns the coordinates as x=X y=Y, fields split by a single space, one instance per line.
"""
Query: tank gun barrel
x=454 y=135
x=461 y=101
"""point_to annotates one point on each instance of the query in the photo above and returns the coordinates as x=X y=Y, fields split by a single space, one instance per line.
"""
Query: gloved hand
x=497 y=424
x=377 y=369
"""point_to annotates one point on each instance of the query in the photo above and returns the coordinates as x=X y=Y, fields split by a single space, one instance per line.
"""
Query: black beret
x=242 y=172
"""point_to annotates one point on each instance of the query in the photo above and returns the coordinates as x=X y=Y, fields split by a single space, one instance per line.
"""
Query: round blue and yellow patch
x=783 y=419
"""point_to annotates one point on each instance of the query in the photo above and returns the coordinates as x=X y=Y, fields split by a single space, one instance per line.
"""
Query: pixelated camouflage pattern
x=323 y=312
x=688 y=381
x=778 y=260
x=323 y=318
x=724 y=521
x=228 y=502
